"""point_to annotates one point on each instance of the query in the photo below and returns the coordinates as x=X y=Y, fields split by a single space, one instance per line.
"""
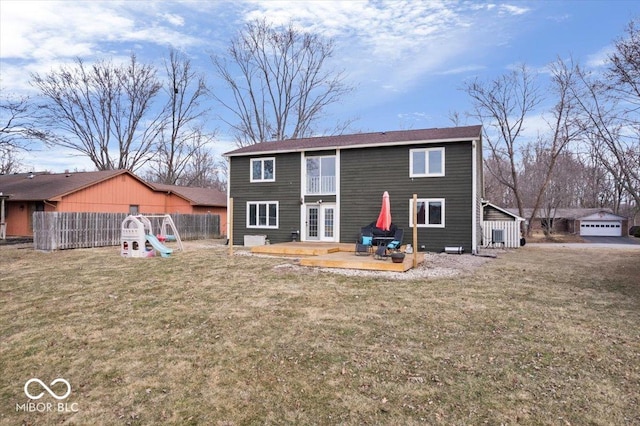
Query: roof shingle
x=197 y=196
x=48 y=186
x=361 y=140
x=52 y=186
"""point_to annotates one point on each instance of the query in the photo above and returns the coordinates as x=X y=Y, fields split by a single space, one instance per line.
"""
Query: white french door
x=321 y=222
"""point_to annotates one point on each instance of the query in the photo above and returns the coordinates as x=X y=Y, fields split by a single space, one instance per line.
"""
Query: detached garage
x=603 y=224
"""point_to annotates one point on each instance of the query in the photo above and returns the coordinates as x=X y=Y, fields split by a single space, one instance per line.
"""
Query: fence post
x=230 y=236
x=415 y=230
x=52 y=230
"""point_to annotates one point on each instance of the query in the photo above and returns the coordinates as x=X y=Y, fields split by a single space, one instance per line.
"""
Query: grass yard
x=537 y=336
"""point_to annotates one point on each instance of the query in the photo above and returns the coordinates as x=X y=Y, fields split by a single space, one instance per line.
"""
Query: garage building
x=603 y=224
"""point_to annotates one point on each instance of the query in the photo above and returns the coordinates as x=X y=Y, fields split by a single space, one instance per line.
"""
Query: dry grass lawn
x=537 y=236
x=537 y=336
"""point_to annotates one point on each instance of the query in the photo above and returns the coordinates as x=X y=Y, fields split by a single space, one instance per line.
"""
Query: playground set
x=138 y=240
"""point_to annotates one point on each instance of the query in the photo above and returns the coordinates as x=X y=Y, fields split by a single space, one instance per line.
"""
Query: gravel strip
x=435 y=265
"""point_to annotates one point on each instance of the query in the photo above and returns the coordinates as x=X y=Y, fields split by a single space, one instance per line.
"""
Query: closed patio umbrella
x=384 y=218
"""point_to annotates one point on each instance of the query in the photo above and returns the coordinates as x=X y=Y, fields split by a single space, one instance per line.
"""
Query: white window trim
x=262 y=160
x=267 y=203
x=427 y=201
x=320 y=157
x=426 y=162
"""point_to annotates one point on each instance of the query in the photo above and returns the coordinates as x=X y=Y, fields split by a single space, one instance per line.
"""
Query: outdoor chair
x=395 y=244
x=383 y=251
x=364 y=245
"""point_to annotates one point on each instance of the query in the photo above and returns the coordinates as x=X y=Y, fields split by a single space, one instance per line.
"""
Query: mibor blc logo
x=44 y=407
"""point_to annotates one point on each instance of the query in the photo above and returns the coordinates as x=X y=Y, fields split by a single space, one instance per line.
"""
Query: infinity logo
x=52 y=393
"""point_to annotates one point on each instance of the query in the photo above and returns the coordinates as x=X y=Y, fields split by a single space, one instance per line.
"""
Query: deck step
x=333 y=255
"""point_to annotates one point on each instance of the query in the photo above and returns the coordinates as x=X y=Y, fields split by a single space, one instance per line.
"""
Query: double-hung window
x=430 y=212
x=426 y=162
x=262 y=214
x=263 y=169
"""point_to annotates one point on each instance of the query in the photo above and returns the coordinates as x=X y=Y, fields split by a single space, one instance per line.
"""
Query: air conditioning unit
x=497 y=236
x=255 y=240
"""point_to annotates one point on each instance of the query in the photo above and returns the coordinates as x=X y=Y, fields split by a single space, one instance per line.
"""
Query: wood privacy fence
x=59 y=231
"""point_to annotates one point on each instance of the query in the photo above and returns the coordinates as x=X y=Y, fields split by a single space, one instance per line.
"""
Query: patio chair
x=364 y=245
x=383 y=251
x=395 y=244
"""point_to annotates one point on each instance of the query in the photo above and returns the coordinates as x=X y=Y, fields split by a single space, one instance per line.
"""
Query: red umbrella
x=384 y=219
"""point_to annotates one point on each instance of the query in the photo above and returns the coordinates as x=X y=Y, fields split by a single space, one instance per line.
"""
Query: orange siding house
x=113 y=191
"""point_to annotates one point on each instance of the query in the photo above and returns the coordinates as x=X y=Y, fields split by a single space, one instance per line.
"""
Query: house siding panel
x=367 y=173
x=491 y=213
x=285 y=190
x=114 y=195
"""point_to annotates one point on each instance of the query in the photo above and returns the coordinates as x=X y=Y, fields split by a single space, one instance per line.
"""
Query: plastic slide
x=156 y=244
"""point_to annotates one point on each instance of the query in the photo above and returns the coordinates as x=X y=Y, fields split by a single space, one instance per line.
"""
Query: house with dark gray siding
x=328 y=188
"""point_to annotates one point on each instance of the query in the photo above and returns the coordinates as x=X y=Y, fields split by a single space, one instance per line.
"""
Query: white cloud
x=387 y=48
x=396 y=43
x=56 y=160
x=513 y=10
x=51 y=29
x=35 y=35
x=600 y=58
x=173 y=19
x=463 y=69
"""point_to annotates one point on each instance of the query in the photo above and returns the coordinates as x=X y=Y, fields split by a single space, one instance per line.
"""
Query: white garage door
x=601 y=228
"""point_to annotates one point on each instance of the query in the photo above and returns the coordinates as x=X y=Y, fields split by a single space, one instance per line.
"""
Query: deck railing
x=321 y=184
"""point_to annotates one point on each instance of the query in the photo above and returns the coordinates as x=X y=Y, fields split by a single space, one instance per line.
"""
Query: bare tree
x=9 y=162
x=279 y=82
x=182 y=135
x=17 y=131
x=610 y=117
x=563 y=129
x=103 y=111
x=205 y=171
x=15 y=121
x=502 y=105
x=562 y=187
x=494 y=189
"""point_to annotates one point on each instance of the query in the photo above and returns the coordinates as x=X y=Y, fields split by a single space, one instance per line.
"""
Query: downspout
x=302 y=225
x=474 y=198
x=337 y=219
x=229 y=223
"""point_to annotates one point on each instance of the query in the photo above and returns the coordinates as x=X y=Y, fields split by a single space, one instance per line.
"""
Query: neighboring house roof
x=52 y=186
x=196 y=196
x=360 y=140
x=500 y=209
x=562 y=213
x=602 y=215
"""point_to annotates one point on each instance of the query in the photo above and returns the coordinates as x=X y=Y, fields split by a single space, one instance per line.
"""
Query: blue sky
x=407 y=59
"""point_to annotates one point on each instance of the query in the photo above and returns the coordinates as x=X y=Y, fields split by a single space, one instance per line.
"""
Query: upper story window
x=263 y=169
x=321 y=175
x=426 y=162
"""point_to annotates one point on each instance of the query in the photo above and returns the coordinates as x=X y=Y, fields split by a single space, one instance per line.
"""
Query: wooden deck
x=333 y=255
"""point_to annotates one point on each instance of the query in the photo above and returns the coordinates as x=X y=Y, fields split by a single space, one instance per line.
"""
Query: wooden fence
x=511 y=232
x=59 y=231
